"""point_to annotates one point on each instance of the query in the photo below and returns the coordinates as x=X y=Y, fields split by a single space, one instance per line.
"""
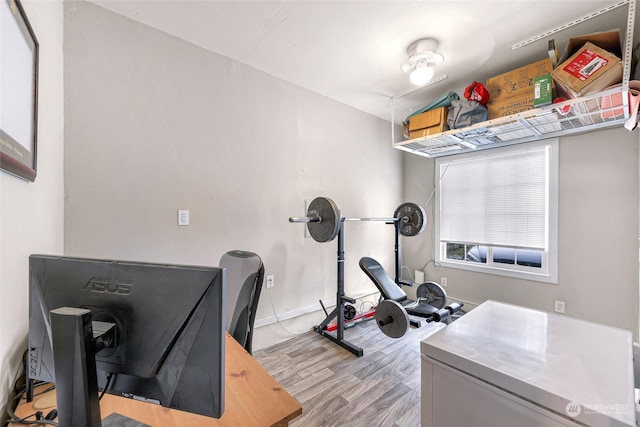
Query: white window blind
x=497 y=199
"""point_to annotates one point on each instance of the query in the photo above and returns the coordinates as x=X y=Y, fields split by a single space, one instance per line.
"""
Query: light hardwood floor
x=336 y=388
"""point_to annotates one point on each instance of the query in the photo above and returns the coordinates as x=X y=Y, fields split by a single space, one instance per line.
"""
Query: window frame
x=549 y=271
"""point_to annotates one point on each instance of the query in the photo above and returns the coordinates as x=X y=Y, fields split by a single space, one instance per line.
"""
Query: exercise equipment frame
x=324 y=223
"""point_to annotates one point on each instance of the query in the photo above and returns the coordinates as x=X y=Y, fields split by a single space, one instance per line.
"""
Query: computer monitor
x=169 y=321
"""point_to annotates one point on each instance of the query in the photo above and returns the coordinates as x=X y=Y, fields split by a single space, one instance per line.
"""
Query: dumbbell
x=444 y=314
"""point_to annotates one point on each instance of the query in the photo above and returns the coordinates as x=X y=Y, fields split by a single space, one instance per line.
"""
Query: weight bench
x=389 y=290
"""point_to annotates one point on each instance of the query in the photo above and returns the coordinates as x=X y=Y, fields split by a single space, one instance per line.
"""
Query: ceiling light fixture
x=422 y=58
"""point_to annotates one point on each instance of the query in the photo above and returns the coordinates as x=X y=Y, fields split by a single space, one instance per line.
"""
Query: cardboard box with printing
x=513 y=92
x=517 y=82
x=509 y=106
x=590 y=70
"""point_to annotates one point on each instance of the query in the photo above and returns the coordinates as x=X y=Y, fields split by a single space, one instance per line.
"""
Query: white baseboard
x=468 y=305
x=329 y=305
x=300 y=311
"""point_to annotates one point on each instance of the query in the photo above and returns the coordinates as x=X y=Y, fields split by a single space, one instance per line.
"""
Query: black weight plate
x=327 y=229
x=433 y=294
x=413 y=219
x=392 y=318
x=349 y=312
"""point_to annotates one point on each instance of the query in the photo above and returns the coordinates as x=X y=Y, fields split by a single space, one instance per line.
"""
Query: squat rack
x=325 y=223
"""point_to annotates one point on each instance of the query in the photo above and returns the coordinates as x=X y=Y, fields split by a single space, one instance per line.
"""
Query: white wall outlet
x=183 y=217
x=559 y=306
x=419 y=275
x=443 y=281
x=270 y=281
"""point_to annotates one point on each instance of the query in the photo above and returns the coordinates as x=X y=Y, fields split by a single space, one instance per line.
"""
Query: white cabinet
x=462 y=400
x=503 y=365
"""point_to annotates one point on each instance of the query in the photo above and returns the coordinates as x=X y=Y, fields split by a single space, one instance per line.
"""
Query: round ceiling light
x=421 y=74
x=421 y=59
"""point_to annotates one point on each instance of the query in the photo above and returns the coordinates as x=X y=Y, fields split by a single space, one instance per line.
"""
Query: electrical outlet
x=443 y=281
x=419 y=275
x=183 y=217
x=270 y=281
x=559 y=306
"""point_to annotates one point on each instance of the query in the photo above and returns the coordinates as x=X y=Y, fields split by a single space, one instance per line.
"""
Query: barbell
x=323 y=219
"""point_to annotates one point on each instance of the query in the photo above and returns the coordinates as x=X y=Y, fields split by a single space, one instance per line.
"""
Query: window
x=496 y=211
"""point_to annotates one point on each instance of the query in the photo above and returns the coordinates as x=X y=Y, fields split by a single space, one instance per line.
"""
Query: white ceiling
x=351 y=51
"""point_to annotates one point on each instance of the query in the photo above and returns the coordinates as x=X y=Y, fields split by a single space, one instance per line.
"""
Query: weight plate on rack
x=327 y=229
x=392 y=318
x=349 y=312
x=413 y=219
x=433 y=294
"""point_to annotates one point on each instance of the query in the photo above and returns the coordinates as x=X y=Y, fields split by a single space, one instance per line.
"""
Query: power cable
x=278 y=320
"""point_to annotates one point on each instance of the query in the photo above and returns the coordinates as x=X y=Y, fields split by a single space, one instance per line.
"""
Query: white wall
x=31 y=214
x=155 y=124
x=598 y=234
x=142 y=104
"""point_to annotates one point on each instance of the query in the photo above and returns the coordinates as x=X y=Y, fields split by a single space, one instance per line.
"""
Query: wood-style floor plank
x=336 y=388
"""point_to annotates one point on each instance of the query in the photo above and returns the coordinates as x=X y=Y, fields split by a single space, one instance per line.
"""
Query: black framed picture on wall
x=18 y=92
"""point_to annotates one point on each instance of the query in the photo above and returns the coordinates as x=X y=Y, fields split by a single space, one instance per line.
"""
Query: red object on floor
x=359 y=318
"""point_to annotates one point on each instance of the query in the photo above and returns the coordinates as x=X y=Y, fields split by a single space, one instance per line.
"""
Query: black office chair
x=390 y=290
x=245 y=272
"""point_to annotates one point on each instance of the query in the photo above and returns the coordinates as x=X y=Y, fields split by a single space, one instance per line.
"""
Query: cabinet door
x=452 y=398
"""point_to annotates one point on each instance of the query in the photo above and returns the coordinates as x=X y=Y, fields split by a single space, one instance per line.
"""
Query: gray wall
x=598 y=240
x=154 y=124
x=32 y=214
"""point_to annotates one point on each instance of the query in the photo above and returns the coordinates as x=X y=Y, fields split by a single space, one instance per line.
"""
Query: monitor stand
x=74 y=362
x=75 y=344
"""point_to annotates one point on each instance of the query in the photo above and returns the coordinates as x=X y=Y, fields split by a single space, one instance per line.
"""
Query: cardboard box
x=427 y=123
x=589 y=70
x=607 y=40
x=509 y=106
x=513 y=92
x=517 y=82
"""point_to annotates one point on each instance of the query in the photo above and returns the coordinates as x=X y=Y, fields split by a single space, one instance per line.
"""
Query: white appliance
x=504 y=365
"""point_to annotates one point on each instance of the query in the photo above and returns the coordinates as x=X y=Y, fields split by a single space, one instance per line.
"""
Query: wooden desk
x=252 y=398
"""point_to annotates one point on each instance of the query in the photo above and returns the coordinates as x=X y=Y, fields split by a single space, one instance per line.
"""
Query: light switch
x=183 y=217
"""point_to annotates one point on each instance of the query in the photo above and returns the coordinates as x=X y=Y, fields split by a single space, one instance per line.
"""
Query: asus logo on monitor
x=106 y=286
x=34 y=358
